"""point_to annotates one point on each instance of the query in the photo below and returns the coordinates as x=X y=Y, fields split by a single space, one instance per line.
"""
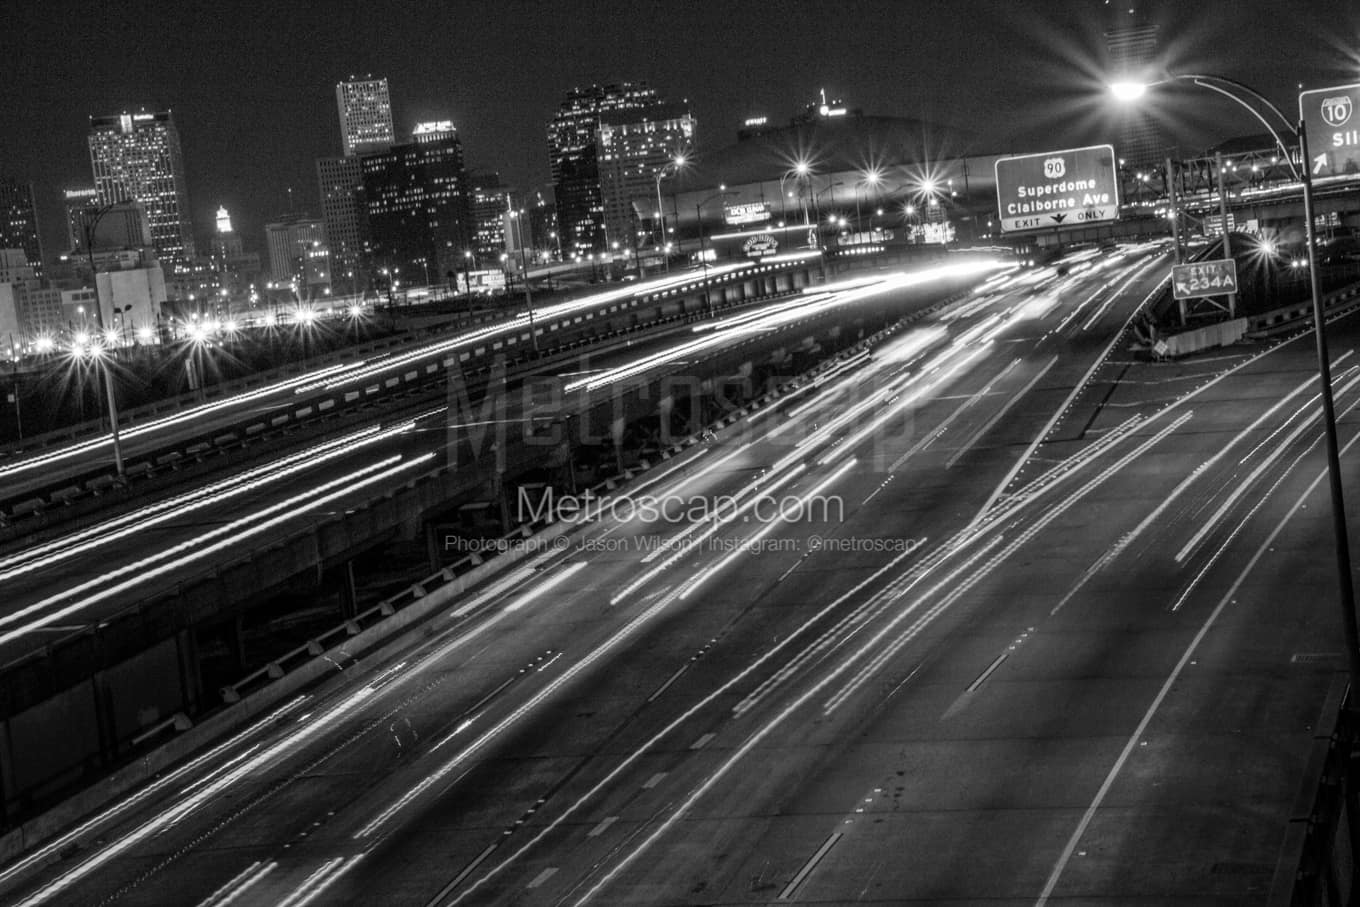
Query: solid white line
x=982 y=678
x=1058 y=414
x=810 y=865
x=1000 y=414
x=1171 y=679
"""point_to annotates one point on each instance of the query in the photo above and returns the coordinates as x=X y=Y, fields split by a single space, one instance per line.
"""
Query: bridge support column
x=190 y=674
x=349 y=593
x=103 y=717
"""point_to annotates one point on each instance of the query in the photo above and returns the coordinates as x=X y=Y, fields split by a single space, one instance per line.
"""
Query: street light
x=816 y=203
x=869 y=178
x=703 y=255
x=1230 y=89
x=677 y=162
x=90 y=222
x=802 y=170
x=515 y=219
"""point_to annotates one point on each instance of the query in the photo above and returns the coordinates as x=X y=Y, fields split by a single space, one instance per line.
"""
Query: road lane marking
x=1066 y=856
x=670 y=680
x=991 y=668
x=1062 y=409
x=702 y=741
x=542 y=877
x=1308 y=424
x=1000 y=414
x=811 y=864
x=602 y=827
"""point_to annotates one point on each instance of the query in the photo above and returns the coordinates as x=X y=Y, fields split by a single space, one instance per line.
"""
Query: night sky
x=252 y=84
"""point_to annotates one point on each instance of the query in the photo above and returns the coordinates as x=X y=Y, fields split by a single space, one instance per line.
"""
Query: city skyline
x=254 y=121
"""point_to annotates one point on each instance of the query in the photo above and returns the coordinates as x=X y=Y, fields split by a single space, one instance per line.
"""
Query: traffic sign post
x=1076 y=187
x=1331 y=118
x=1217 y=277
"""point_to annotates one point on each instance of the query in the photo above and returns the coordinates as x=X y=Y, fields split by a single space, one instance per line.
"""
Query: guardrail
x=1300 y=316
x=17 y=516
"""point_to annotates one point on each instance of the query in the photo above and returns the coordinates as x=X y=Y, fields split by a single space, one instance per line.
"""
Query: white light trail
x=103 y=587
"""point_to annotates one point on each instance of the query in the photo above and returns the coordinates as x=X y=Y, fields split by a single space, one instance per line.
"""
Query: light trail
x=192 y=414
x=135 y=522
x=173 y=815
x=103 y=587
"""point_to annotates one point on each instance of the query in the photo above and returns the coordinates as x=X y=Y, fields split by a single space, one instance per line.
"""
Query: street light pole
x=1228 y=88
x=515 y=218
x=703 y=253
x=91 y=221
x=677 y=162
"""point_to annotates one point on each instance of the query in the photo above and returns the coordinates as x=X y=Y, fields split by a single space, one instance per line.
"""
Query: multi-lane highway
x=87 y=575
x=993 y=614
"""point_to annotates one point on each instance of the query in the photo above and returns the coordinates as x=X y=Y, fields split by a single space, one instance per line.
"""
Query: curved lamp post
x=1234 y=90
x=676 y=162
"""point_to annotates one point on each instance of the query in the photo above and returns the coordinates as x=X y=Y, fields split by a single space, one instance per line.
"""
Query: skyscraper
x=136 y=157
x=19 y=222
x=1131 y=51
x=293 y=241
x=416 y=200
x=342 y=210
x=365 y=115
x=488 y=201
x=572 y=154
x=633 y=146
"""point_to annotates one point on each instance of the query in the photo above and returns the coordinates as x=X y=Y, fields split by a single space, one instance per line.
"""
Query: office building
x=572 y=155
x=488 y=201
x=547 y=239
x=416 y=203
x=365 y=115
x=341 y=181
x=136 y=157
x=19 y=222
x=1131 y=45
x=633 y=146
x=433 y=131
x=293 y=242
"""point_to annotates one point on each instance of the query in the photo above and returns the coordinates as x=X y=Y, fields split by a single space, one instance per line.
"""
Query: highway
x=90 y=574
x=994 y=614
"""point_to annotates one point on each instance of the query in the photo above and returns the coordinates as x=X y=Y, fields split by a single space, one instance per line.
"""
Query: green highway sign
x=1076 y=187
x=1332 y=118
x=1217 y=277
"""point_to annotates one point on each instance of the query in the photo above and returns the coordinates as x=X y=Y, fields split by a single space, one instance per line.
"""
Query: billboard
x=748 y=213
x=1077 y=187
x=1332 y=121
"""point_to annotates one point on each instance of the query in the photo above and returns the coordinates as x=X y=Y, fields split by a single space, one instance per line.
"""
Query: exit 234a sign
x=1217 y=277
x=1071 y=188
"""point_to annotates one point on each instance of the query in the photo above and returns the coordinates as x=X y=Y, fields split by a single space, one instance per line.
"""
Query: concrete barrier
x=1207 y=337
